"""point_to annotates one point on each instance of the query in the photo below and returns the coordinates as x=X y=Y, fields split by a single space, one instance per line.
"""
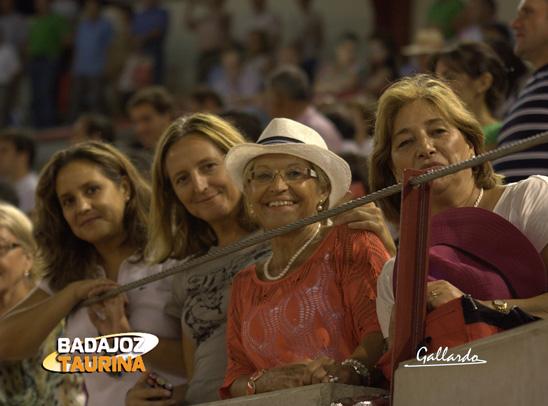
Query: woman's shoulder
x=245 y=276
x=345 y=232
x=534 y=187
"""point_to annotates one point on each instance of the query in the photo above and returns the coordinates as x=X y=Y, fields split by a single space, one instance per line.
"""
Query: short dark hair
x=202 y=93
x=349 y=36
x=247 y=123
x=23 y=139
x=98 y=123
x=8 y=193
x=474 y=59
x=157 y=96
x=290 y=81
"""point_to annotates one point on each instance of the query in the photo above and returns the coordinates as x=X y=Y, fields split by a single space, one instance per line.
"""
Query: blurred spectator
x=151 y=111
x=149 y=27
x=383 y=66
x=13 y=25
x=17 y=151
x=91 y=43
x=345 y=126
x=362 y=111
x=237 y=84
x=445 y=15
x=8 y=194
x=67 y=9
x=248 y=124
x=340 y=78
x=211 y=27
x=516 y=72
x=92 y=127
x=257 y=51
x=120 y=51
x=289 y=95
x=48 y=34
x=359 y=168
x=308 y=35
x=261 y=19
x=10 y=67
x=479 y=15
x=528 y=116
x=290 y=54
x=476 y=74
x=426 y=42
x=205 y=99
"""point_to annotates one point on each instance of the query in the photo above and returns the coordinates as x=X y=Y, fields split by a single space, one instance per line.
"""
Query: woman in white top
x=91 y=215
x=422 y=124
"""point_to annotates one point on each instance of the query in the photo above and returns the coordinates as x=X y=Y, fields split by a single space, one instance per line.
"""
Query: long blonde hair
x=174 y=232
x=438 y=94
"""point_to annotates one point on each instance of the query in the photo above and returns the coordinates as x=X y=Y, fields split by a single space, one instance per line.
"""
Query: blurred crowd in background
x=94 y=69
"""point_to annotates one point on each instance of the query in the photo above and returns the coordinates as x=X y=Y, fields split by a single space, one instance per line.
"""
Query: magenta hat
x=484 y=255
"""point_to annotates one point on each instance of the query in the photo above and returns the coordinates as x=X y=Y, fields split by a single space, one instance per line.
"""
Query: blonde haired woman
x=196 y=208
x=25 y=382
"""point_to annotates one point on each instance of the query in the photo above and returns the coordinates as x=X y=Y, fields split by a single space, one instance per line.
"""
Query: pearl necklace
x=293 y=258
x=478 y=200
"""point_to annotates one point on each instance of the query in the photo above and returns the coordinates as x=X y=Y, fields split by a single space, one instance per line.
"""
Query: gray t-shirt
x=200 y=298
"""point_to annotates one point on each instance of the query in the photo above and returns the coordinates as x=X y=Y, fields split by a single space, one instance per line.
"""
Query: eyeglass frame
x=311 y=173
x=5 y=249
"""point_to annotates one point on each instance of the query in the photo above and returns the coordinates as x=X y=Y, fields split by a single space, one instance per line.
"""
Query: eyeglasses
x=294 y=174
x=4 y=249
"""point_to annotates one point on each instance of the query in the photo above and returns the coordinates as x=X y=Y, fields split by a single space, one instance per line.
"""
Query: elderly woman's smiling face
x=280 y=201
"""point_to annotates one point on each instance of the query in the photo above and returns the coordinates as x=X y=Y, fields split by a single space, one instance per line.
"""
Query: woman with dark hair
x=91 y=226
x=477 y=74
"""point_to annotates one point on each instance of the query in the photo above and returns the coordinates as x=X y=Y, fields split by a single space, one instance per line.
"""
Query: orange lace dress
x=325 y=307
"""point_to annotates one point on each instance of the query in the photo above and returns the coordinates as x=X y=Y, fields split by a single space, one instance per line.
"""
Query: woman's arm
x=282 y=377
x=309 y=372
x=367 y=217
x=141 y=394
x=167 y=355
x=40 y=313
x=367 y=353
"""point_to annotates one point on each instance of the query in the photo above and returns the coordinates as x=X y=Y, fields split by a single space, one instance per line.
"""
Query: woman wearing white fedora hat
x=307 y=314
x=196 y=208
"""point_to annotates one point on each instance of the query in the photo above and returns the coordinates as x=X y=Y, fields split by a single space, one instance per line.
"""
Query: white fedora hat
x=284 y=136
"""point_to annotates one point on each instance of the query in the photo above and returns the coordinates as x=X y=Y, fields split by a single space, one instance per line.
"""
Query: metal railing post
x=412 y=272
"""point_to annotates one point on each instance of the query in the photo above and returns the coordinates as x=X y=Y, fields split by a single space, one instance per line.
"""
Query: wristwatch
x=500 y=305
x=250 y=388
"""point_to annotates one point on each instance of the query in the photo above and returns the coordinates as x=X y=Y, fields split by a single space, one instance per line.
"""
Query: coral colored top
x=325 y=307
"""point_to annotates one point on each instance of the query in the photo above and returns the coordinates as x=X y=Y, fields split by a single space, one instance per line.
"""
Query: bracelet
x=360 y=369
x=250 y=387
